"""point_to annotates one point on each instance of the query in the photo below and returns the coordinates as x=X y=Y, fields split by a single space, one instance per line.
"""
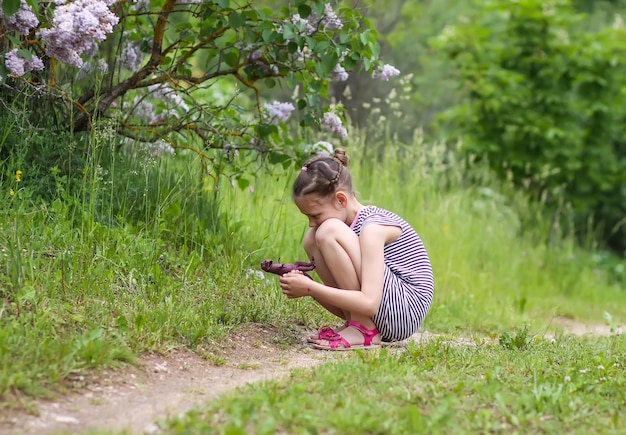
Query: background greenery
x=508 y=161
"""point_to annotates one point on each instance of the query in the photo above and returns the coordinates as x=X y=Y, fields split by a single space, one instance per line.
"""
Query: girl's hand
x=295 y=284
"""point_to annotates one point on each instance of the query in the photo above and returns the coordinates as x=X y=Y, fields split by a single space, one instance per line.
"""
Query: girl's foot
x=325 y=334
x=353 y=336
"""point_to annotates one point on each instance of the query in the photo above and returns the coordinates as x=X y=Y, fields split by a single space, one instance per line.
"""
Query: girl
x=375 y=271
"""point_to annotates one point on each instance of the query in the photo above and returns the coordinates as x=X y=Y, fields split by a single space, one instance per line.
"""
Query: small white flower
x=600 y=367
x=567 y=379
x=583 y=371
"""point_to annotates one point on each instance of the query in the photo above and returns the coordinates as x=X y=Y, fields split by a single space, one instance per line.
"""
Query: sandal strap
x=334 y=342
x=368 y=334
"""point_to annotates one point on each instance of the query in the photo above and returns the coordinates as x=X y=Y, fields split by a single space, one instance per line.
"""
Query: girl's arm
x=372 y=241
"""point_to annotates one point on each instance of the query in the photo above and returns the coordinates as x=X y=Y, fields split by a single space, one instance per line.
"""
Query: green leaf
x=242 y=183
x=25 y=54
x=301 y=104
x=224 y=4
x=292 y=47
x=33 y=4
x=304 y=11
x=289 y=32
x=270 y=83
x=308 y=120
x=236 y=20
x=265 y=130
x=329 y=62
x=276 y=157
x=268 y=36
x=9 y=7
x=232 y=58
x=3 y=71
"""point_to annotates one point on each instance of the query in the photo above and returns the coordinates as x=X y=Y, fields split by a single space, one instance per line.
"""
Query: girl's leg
x=337 y=253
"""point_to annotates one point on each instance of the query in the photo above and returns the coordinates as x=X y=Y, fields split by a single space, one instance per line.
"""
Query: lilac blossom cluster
x=146 y=110
x=22 y=21
x=18 y=66
x=141 y=5
x=322 y=148
x=305 y=24
x=329 y=21
x=131 y=56
x=279 y=111
x=339 y=74
x=386 y=72
x=92 y=67
x=332 y=123
x=77 y=27
x=170 y=97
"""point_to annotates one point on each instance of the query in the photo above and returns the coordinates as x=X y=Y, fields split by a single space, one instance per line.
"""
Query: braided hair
x=324 y=175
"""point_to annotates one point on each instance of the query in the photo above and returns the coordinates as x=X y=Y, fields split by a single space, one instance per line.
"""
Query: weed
x=520 y=340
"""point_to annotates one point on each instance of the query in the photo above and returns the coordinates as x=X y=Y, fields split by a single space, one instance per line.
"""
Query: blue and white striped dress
x=408 y=279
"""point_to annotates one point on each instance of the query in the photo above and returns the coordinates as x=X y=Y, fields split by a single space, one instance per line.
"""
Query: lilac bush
x=193 y=74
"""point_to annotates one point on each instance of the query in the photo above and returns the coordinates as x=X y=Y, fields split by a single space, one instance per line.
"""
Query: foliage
x=189 y=75
x=544 y=105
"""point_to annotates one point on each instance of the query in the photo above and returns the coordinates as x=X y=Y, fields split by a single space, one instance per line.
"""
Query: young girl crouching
x=375 y=271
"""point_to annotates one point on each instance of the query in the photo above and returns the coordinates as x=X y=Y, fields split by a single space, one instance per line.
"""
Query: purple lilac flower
x=323 y=147
x=279 y=111
x=144 y=110
x=170 y=97
x=333 y=124
x=131 y=56
x=77 y=27
x=339 y=74
x=386 y=72
x=18 y=66
x=92 y=67
x=330 y=20
x=141 y=5
x=22 y=21
x=297 y=20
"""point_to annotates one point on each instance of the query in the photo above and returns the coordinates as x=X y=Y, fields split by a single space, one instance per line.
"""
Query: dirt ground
x=134 y=399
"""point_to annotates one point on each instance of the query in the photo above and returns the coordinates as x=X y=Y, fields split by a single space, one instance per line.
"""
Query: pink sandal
x=337 y=342
x=325 y=333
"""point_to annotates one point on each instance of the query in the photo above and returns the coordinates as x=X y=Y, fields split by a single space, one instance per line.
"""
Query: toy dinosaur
x=282 y=268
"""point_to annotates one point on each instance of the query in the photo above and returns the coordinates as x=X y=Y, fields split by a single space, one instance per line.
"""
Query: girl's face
x=319 y=209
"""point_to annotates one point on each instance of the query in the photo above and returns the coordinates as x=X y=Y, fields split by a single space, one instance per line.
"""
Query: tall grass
x=146 y=255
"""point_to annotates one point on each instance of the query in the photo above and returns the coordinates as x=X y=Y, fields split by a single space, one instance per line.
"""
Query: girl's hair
x=324 y=175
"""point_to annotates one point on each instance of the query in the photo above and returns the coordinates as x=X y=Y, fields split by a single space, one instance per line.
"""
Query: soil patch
x=571 y=326
x=134 y=399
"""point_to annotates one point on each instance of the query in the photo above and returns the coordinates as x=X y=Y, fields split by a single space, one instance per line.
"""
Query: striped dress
x=408 y=279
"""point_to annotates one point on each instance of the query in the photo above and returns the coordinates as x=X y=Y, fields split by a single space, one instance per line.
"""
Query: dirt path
x=133 y=400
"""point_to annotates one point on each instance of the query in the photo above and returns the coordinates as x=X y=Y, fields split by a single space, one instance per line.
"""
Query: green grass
x=560 y=385
x=144 y=258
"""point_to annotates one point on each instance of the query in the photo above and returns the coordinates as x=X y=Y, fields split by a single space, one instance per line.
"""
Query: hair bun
x=341 y=156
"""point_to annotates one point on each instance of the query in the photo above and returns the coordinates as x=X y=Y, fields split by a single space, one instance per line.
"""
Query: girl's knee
x=309 y=242
x=330 y=231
